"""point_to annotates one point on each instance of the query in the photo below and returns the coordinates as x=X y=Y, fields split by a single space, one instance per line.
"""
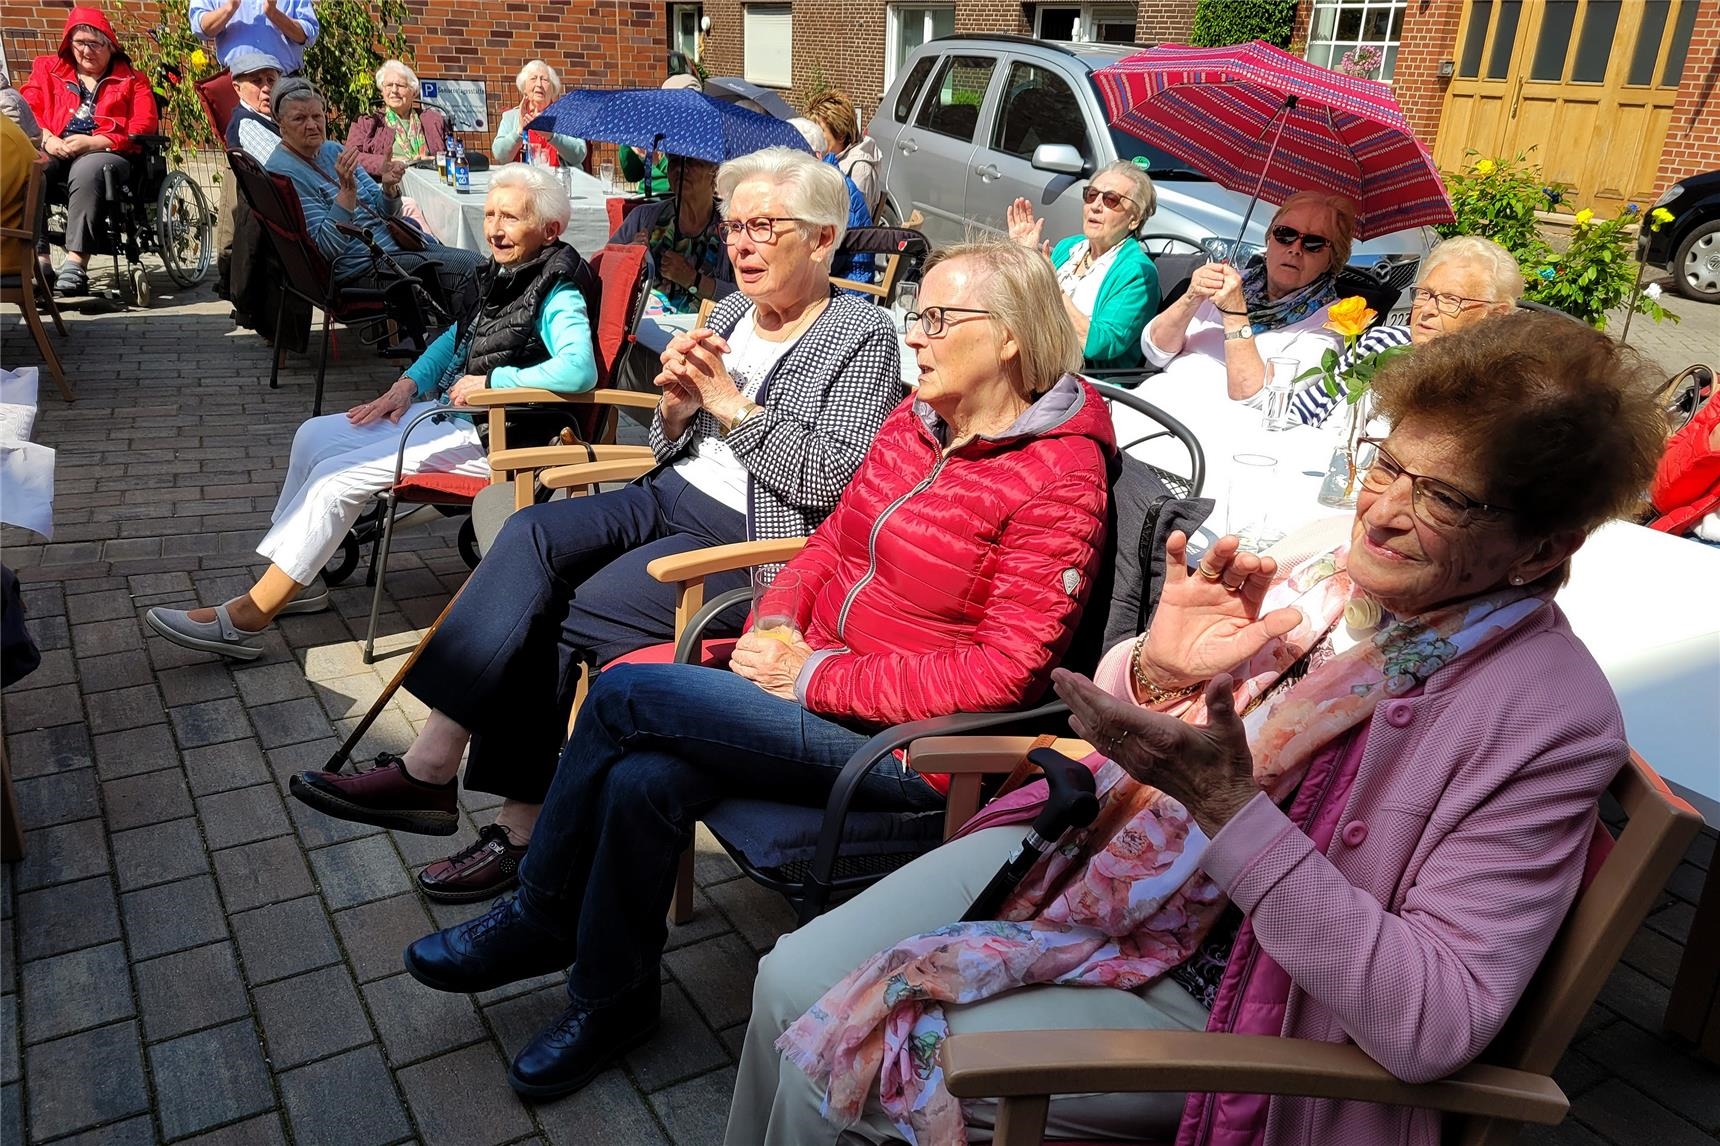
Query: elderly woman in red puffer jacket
x=950 y=577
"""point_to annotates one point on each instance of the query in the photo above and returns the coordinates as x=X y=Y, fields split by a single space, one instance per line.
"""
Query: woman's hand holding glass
x=1208 y=620
x=1208 y=768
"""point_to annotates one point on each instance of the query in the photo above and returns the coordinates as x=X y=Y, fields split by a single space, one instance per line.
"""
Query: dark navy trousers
x=564 y=584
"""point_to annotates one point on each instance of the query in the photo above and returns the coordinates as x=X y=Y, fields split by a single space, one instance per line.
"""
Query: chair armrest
x=538 y=457
x=594 y=473
x=701 y=563
x=960 y=755
x=533 y=396
x=15 y=233
x=1006 y=1064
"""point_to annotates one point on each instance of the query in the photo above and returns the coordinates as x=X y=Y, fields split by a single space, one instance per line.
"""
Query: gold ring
x=1208 y=573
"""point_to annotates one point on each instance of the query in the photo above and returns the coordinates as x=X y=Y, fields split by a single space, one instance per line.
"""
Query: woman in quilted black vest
x=523 y=320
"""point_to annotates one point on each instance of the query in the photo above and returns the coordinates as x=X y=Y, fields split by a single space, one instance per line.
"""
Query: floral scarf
x=1122 y=902
x=1266 y=315
x=408 y=134
x=704 y=250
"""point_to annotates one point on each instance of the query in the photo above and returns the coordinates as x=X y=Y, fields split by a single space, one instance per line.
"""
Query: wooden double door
x=1588 y=84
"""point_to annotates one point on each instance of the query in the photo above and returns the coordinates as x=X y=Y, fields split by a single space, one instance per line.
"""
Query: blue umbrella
x=680 y=122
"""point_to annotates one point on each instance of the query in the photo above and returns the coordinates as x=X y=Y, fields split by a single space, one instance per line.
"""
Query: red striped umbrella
x=1254 y=118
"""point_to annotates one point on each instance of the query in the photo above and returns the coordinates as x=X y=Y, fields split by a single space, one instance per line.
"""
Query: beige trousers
x=775 y=1104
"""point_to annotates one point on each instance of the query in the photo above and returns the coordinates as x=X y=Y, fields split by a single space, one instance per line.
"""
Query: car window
x=1160 y=164
x=911 y=87
x=1038 y=107
x=951 y=106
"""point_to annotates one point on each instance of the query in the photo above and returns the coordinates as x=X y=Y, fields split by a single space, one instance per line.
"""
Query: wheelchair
x=155 y=210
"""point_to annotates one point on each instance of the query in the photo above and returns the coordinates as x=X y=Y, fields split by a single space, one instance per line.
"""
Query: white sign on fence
x=463 y=101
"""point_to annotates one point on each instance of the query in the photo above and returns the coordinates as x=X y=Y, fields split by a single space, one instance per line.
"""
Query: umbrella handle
x=1282 y=116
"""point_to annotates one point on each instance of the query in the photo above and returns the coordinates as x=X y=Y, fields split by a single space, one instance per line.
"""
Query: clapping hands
x=1025 y=228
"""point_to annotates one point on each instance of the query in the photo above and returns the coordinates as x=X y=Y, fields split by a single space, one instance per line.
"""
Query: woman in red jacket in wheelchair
x=90 y=101
x=950 y=577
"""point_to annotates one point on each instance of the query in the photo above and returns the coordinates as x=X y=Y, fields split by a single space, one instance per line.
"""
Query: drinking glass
x=776 y=604
x=1275 y=410
x=907 y=298
x=606 y=176
x=1248 y=501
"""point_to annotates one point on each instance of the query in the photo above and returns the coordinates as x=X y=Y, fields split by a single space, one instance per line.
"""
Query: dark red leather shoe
x=483 y=870
x=384 y=795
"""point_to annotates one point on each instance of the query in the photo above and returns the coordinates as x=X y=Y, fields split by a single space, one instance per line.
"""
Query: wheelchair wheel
x=341 y=565
x=185 y=229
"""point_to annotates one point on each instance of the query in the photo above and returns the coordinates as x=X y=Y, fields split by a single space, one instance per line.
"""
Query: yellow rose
x=1660 y=215
x=1584 y=216
x=198 y=59
x=1485 y=167
x=1350 y=316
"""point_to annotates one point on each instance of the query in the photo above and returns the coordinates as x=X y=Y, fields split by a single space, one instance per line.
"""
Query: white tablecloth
x=26 y=469
x=458 y=220
x=1643 y=602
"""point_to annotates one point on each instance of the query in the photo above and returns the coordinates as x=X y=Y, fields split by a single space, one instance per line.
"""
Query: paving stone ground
x=190 y=955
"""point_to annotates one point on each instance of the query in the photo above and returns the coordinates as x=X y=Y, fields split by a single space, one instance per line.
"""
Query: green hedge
x=1219 y=22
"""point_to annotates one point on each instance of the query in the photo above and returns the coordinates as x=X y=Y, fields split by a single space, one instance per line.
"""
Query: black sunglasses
x=1112 y=199
x=1287 y=237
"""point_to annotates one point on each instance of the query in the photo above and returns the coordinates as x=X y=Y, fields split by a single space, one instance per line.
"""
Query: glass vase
x=1338 y=490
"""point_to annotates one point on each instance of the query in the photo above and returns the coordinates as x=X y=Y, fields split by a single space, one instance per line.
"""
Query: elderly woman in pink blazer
x=1346 y=794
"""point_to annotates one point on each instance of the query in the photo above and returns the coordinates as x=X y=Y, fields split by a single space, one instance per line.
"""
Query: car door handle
x=989 y=172
x=907 y=146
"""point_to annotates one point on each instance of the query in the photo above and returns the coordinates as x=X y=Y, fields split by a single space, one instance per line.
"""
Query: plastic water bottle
x=462 y=173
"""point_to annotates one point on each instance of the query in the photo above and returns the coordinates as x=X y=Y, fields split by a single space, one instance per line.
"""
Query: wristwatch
x=747 y=411
x=1235 y=335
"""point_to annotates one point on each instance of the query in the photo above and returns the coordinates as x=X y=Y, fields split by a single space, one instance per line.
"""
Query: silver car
x=973 y=122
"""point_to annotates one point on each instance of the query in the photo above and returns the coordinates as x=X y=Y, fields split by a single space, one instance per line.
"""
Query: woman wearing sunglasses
x=1345 y=795
x=1462 y=281
x=1110 y=286
x=1230 y=322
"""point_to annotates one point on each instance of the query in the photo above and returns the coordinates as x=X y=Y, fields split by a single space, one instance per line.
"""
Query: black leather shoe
x=584 y=1041
x=499 y=947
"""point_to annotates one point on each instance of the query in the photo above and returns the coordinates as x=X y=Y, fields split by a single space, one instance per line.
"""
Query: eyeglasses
x=1450 y=305
x=933 y=322
x=760 y=228
x=90 y=45
x=1113 y=200
x=1287 y=237
x=1438 y=504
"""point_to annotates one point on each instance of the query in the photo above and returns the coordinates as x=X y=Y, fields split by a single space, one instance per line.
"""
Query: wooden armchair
x=20 y=286
x=1510 y=1084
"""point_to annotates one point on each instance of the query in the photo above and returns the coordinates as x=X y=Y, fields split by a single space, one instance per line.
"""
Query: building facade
x=1614 y=98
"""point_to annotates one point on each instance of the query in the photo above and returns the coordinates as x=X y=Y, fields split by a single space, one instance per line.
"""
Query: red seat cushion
x=712 y=654
x=439 y=489
x=618 y=267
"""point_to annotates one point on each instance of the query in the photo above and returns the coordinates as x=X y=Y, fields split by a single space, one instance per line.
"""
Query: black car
x=1689 y=246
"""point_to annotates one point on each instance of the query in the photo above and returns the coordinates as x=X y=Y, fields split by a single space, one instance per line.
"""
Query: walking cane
x=338 y=760
x=1070 y=804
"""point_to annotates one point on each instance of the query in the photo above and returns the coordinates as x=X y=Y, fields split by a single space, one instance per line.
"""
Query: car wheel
x=1696 y=266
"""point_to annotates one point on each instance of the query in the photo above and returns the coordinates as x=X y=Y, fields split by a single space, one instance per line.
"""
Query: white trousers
x=775 y=1104
x=337 y=467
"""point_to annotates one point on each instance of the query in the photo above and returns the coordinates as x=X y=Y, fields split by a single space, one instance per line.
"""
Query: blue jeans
x=656 y=746
x=563 y=585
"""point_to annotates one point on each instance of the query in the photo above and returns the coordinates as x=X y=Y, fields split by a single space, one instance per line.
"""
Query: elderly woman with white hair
x=950 y=578
x=1110 y=285
x=539 y=87
x=401 y=129
x=765 y=415
x=1463 y=280
x=524 y=321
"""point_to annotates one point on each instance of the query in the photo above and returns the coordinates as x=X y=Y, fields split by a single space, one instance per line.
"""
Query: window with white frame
x=1339 y=27
x=911 y=25
x=1085 y=23
x=768 y=33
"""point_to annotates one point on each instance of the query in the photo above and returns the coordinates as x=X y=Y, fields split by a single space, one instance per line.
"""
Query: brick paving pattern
x=190 y=955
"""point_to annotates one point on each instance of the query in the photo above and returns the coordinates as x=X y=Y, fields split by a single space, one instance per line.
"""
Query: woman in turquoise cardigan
x=1110 y=286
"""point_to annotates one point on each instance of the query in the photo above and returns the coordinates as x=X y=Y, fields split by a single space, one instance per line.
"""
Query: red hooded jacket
x=954 y=583
x=1686 y=486
x=125 y=105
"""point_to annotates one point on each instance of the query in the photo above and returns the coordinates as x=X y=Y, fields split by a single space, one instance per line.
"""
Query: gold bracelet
x=1155 y=694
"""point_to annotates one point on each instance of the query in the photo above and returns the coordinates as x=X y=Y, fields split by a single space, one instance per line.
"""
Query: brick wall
x=1429 y=36
x=590 y=43
x=1163 y=21
x=1693 y=134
